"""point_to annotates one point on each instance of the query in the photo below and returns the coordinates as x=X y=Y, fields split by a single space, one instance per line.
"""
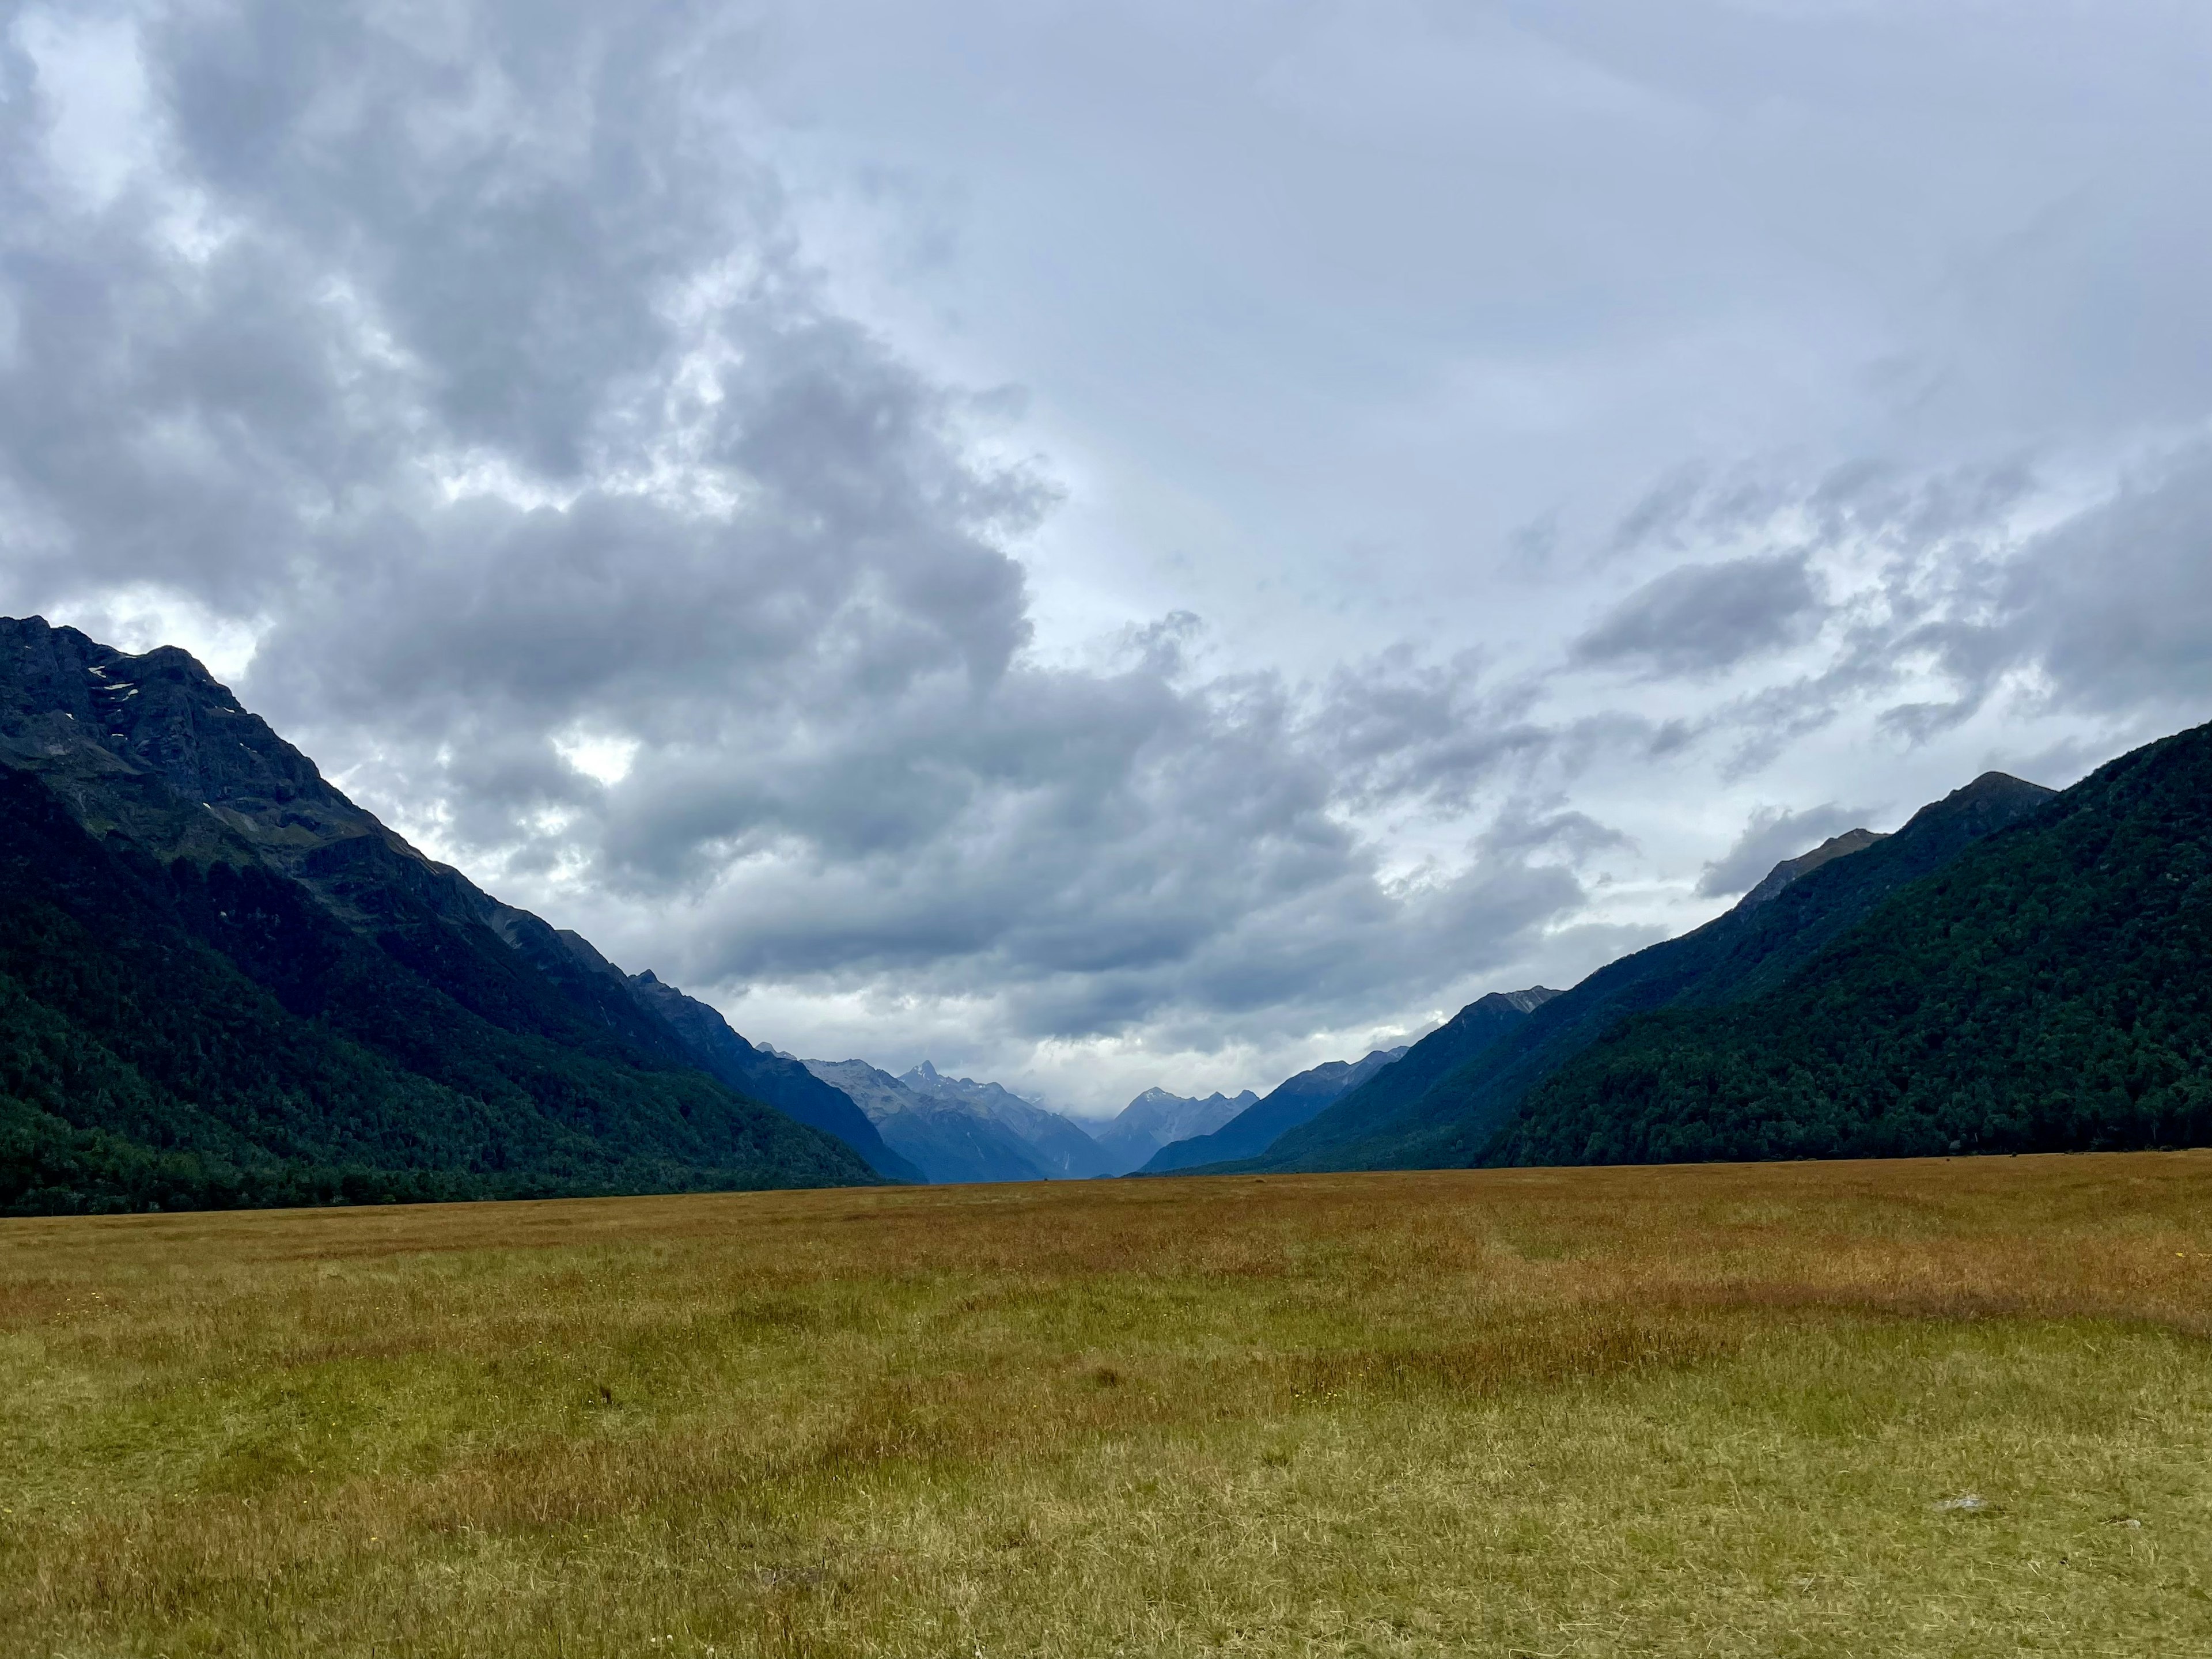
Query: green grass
x=1695 y=1411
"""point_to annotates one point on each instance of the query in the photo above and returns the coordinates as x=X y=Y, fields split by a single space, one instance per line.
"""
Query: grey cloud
x=1912 y=512
x=1907 y=511
x=2115 y=605
x=517 y=187
x=1938 y=547
x=1663 y=512
x=501 y=400
x=1756 y=728
x=1697 y=506
x=1397 y=728
x=1257 y=957
x=1703 y=618
x=1523 y=826
x=2106 y=612
x=473 y=356
x=1108 y=844
x=1772 y=836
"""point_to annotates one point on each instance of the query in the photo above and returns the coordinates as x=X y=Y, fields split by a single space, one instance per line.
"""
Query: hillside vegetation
x=141 y=1065
x=1295 y=1100
x=1446 y=1101
x=2049 y=988
x=222 y=983
x=1957 y=1409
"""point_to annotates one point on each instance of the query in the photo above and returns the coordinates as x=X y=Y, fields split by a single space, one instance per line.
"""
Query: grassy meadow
x=1942 y=1408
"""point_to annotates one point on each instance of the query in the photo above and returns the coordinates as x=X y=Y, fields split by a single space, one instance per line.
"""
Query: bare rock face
x=1156 y=1118
x=1063 y=1146
x=947 y=1139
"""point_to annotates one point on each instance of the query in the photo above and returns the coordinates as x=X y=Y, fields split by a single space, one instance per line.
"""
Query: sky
x=1107 y=546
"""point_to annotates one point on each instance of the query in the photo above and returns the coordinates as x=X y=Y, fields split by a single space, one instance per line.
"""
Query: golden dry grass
x=1693 y=1411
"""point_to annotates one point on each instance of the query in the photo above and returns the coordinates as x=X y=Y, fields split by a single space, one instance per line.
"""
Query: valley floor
x=1954 y=1407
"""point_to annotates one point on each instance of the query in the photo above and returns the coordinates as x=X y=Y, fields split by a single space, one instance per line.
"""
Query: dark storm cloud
x=1706 y=618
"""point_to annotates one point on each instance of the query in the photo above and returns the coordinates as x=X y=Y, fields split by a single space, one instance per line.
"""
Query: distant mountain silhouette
x=1155 y=1118
x=1256 y=1128
x=1062 y=1146
x=947 y=1139
x=765 y=1075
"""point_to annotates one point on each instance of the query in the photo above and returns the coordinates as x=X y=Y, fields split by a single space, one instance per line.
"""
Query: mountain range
x=955 y=1129
x=1253 y=1130
x=1060 y=1147
x=223 y=983
x=946 y=1139
x=1157 y=1119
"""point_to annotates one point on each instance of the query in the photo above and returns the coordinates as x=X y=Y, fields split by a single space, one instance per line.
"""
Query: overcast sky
x=1115 y=545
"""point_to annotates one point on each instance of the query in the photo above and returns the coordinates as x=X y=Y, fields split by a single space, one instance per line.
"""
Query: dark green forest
x=1445 y=1102
x=222 y=983
x=2050 y=989
x=141 y=1063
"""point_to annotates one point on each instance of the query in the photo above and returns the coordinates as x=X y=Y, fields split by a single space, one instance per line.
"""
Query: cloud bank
x=477 y=387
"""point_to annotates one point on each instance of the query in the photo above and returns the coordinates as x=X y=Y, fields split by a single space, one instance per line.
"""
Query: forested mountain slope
x=2049 y=989
x=221 y=981
x=1384 y=1098
x=1285 y=1106
x=782 y=1082
x=1777 y=927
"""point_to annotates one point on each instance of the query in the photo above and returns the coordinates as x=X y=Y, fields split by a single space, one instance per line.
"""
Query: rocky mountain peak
x=1487 y=1008
x=78 y=712
x=1789 y=870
